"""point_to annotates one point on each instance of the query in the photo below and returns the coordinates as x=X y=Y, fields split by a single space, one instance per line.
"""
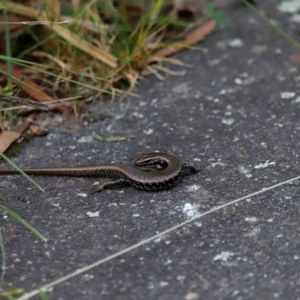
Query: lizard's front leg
x=108 y=184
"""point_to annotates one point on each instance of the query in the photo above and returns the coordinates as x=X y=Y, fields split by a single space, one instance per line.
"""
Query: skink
x=152 y=172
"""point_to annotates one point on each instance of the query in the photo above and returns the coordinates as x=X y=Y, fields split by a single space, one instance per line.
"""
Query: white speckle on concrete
x=180 y=278
x=287 y=95
x=119 y=116
x=227 y=91
x=295 y=18
x=289 y=6
x=198 y=224
x=251 y=219
x=246 y=81
x=253 y=233
x=82 y=195
x=218 y=164
x=138 y=115
x=276 y=295
x=293 y=69
x=192 y=296
x=238 y=81
x=85 y=139
x=148 y=131
x=236 y=43
x=297 y=100
x=193 y=187
x=88 y=277
x=229 y=121
x=224 y=255
x=265 y=165
x=93 y=214
x=190 y=210
x=242 y=169
x=168 y=261
x=214 y=62
x=163 y=283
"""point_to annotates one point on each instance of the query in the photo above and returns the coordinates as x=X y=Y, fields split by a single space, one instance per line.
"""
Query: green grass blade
x=23 y=222
x=216 y=14
x=3 y=263
x=7 y=45
x=276 y=27
x=24 y=174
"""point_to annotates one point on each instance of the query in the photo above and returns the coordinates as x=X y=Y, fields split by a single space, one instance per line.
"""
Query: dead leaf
x=35 y=91
x=192 y=38
x=63 y=32
x=7 y=138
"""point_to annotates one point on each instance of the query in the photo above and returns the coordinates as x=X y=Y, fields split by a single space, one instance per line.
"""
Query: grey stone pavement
x=235 y=114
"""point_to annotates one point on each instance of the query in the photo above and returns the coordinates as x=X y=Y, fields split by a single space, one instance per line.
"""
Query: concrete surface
x=235 y=113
